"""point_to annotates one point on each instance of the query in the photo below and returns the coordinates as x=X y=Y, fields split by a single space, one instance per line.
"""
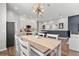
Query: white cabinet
x=74 y=42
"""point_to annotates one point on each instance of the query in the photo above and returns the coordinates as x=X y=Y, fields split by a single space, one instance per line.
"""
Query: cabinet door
x=78 y=27
x=74 y=42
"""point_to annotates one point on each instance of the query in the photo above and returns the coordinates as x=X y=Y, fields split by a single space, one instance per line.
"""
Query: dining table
x=43 y=44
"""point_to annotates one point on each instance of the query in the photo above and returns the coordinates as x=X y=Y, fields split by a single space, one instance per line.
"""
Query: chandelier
x=38 y=8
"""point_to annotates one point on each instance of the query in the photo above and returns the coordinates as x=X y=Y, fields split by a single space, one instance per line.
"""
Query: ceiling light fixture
x=38 y=9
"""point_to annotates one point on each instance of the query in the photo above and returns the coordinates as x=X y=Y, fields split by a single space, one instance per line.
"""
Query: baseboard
x=3 y=49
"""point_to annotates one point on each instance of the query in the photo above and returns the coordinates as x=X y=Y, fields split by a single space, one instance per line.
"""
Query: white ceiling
x=53 y=11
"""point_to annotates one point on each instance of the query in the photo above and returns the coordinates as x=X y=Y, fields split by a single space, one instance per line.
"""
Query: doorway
x=10 y=34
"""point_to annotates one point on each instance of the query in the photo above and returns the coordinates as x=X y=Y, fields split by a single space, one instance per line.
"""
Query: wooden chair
x=52 y=36
x=27 y=50
x=24 y=48
x=17 y=46
x=41 y=34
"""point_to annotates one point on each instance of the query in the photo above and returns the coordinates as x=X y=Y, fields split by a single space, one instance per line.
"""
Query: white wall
x=27 y=21
x=2 y=26
x=20 y=20
x=65 y=23
x=54 y=24
x=13 y=17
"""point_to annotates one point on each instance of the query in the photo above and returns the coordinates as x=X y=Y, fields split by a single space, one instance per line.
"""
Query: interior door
x=10 y=33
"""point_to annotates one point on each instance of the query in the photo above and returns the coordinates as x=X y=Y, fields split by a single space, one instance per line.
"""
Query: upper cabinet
x=73 y=22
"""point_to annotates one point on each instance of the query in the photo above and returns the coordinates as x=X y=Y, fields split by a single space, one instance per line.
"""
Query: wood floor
x=64 y=50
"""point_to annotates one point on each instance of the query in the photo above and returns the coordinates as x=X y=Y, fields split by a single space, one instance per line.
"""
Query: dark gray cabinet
x=60 y=33
x=10 y=32
x=73 y=24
